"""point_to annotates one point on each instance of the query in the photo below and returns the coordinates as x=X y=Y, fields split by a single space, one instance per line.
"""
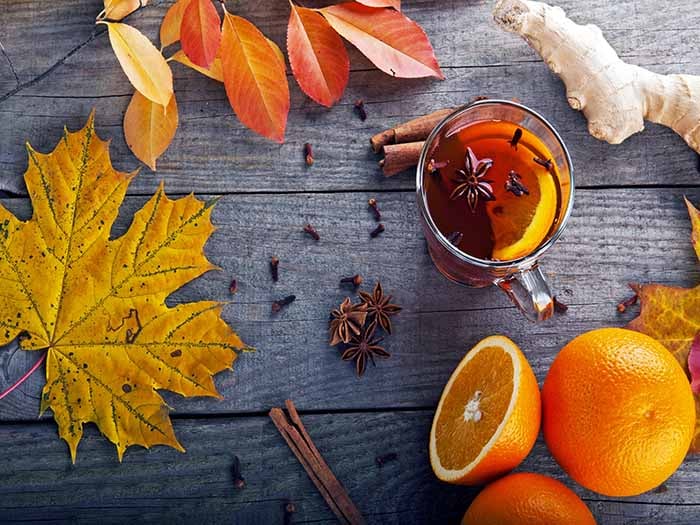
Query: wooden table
x=629 y=224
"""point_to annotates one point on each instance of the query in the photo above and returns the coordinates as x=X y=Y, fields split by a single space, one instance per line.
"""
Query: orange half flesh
x=488 y=416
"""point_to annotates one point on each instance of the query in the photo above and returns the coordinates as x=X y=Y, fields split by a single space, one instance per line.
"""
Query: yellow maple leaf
x=97 y=305
x=671 y=315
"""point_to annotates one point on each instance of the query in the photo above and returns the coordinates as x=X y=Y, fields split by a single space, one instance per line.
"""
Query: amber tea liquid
x=493 y=189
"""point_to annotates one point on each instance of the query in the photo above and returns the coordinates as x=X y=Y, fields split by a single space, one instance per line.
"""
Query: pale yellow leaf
x=142 y=63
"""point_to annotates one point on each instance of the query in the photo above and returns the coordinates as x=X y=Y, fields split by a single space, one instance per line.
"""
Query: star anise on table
x=471 y=182
x=380 y=307
x=347 y=320
x=364 y=347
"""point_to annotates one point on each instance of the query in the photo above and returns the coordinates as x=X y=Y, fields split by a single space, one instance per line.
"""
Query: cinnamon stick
x=294 y=433
x=400 y=157
x=415 y=130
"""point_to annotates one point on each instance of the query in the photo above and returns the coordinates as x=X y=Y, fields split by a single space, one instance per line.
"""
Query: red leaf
x=694 y=364
x=200 y=32
x=394 y=43
x=396 y=4
x=318 y=57
x=256 y=84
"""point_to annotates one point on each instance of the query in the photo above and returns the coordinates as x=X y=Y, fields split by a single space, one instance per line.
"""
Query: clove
x=375 y=209
x=289 y=509
x=238 y=479
x=386 y=458
x=308 y=154
x=434 y=166
x=355 y=280
x=360 y=109
x=274 y=268
x=515 y=185
x=516 y=138
x=379 y=229
x=312 y=232
x=233 y=286
x=624 y=305
x=547 y=164
x=455 y=238
x=281 y=303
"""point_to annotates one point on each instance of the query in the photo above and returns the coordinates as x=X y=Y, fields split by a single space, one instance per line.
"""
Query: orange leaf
x=278 y=53
x=317 y=55
x=118 y=9
x=394 y=43
x=214 y=71
x=256 y=84
x=396 y=4
x=170 y=27
x=142 y=63
x=149 y=128
x=200 y=32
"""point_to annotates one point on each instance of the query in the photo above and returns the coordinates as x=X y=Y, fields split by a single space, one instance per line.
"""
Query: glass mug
x=521 y=279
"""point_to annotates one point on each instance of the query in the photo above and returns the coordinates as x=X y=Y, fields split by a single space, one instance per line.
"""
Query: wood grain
x=629 y=224
x=162 y=484
x=213 y=152
x=589 y=267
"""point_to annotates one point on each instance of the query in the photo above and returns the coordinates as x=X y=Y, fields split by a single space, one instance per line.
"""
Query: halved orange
x=488 y=417
x=518 y=226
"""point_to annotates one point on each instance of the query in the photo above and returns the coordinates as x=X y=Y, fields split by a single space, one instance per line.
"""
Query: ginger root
x=615 y=97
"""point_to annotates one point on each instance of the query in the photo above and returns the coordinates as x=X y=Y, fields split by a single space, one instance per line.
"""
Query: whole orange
x=526 y=498
x=618 y=413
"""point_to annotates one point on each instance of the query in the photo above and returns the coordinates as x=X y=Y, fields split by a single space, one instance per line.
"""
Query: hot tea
x=493 y=189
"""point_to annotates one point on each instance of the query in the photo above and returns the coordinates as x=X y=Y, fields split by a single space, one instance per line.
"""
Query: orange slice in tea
x=488 y=417
x=518 y=225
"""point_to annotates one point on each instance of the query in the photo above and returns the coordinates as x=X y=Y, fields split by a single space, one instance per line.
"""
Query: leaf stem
x=24 y=377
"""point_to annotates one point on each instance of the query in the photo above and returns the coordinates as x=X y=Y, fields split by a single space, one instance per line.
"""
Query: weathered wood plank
x=211 y=141
x=160 y=484
x=615 y=237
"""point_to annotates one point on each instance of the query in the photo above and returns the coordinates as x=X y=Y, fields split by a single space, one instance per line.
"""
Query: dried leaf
x=97 y=305
x=200 y=32
x=671 y=315
x=118 y=9
x=149 y=128
x=394 y=43
x=396 y=4
x=695 y=223
x=170 y=26
x=694 y=364
x=142 y=63
x=318 y=57
x=214 y=71
x=256 y=83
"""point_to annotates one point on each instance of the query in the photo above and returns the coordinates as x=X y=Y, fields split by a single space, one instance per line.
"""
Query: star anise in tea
x=379 y=307
x=365 y=347
x=347 y=320
x=471 y=182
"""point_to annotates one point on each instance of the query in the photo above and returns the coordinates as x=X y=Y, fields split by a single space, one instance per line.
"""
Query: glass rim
x=526 y=260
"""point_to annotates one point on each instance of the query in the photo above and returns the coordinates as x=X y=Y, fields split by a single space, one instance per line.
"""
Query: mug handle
x=530 y=292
